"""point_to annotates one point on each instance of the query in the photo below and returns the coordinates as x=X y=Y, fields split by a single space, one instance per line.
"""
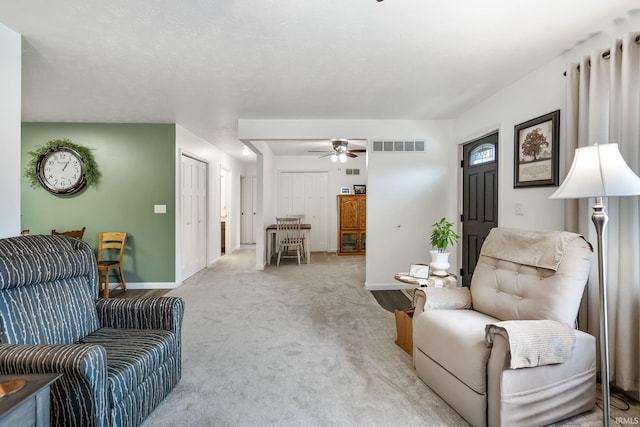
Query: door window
x=483 y=153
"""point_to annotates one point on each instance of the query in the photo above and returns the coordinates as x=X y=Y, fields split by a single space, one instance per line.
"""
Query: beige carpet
x=295 y=346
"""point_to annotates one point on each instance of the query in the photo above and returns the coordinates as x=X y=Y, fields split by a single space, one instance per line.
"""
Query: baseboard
x=151 y=285
x=388 y=286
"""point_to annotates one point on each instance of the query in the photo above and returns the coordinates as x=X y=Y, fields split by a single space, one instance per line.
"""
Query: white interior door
x=305 y=193
x=248 y=202
x=193 y=194
x=316 y=209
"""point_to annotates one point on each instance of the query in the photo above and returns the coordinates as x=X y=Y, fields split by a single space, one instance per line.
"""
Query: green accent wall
x=137 y=170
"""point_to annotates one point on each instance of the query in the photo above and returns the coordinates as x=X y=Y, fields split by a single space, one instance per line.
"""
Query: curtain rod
x=606 y=54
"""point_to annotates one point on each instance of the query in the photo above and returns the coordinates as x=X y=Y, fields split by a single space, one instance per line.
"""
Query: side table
x=28 y=406
x=431 y=282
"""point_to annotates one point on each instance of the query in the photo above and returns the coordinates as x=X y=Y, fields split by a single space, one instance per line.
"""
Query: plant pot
x=439 y=265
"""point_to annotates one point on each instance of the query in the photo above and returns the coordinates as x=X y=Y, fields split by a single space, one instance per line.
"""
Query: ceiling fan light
x=334 y=157
x=343 y=157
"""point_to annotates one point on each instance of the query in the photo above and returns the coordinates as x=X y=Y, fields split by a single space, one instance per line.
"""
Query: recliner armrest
x=441 y=299
x=52 y=358
x=82 y=388
x=142 y=313
x=534 y=342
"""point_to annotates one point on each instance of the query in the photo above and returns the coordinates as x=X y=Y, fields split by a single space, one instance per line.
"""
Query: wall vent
x=353 y=171
x=399 y=146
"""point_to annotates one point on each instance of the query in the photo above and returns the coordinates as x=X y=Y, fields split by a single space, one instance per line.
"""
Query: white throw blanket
x=543 y=249
x=534 y=342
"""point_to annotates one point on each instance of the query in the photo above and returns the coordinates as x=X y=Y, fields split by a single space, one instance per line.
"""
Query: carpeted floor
x=295 y=346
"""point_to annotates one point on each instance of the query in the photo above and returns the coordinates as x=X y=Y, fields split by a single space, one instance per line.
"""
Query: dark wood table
x=28 y=406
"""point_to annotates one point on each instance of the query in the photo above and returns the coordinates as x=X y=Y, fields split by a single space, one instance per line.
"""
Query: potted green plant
x=442 y=237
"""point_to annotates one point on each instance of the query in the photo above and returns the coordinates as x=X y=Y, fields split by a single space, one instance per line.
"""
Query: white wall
x=406 y=193
x=410 y=190
x=190 y=144
x=541 y=92
x=10 y=123
x=266 y=199
x=336 y=178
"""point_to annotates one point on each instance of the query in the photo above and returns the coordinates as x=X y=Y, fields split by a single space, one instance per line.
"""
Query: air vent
x=399 y=146
x=353 y=171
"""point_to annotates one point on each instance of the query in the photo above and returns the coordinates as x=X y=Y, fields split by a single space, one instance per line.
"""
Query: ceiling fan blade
x=319 y=151
x=359 y=150
x=325 y=155
x=350 y=154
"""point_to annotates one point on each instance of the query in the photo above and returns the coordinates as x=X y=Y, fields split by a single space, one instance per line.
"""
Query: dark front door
x=479 y=200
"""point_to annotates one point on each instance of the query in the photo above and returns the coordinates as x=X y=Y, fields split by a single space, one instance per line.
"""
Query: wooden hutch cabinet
x=352 y=231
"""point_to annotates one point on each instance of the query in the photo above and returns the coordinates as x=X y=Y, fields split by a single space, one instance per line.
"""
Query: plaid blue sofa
x=119 y=357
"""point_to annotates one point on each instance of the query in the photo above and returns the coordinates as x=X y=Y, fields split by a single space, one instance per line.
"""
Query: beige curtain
x=603 y=105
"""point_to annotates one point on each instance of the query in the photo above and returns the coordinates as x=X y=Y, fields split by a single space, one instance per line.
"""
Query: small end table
x=431 y=282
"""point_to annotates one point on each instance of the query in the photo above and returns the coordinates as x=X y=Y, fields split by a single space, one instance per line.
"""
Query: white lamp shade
x=598 y=171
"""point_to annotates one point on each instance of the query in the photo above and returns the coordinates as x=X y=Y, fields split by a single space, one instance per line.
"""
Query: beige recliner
x=514 y=358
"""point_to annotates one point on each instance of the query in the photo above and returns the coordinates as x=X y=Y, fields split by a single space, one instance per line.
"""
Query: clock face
x=61 y=171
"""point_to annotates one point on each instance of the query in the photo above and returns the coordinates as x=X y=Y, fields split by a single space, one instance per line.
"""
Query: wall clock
x=62 y=168
x=61 y=171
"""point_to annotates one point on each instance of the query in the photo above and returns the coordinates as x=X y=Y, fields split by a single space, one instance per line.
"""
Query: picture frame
x=359 y=189
x=536 y=151
x=345 y=190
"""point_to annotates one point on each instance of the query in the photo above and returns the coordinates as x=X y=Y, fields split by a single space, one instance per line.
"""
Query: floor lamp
x=600 y=171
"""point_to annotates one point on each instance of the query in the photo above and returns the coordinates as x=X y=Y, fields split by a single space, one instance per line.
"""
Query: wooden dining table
x=271 y=241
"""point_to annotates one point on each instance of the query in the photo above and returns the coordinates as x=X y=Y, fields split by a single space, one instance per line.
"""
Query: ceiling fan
x=340 y=150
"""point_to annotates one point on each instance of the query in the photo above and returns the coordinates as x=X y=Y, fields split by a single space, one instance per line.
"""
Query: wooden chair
x=289 y=238
x=108 y=244
x=76 y=234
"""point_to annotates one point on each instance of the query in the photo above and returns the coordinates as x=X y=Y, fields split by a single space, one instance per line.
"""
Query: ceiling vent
x=415 y=146
x=352 y=171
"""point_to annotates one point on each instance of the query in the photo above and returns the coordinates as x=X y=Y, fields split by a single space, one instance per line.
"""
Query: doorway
x=479 y=198
x=224 y=182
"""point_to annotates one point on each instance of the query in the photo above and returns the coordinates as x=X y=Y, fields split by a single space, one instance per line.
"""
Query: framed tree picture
x=536 y=151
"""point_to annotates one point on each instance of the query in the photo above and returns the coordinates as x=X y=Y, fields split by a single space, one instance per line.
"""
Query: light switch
x=160 y=209
x=518 y=209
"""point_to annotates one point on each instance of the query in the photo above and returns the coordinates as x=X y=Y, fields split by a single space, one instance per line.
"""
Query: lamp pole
x=599 y=218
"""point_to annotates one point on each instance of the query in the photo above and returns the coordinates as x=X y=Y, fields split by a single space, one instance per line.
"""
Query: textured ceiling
x=204 y=64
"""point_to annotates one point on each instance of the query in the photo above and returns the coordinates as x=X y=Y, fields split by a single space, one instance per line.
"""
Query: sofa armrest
x=441 y=299
x=142 y=313
x=79 y=396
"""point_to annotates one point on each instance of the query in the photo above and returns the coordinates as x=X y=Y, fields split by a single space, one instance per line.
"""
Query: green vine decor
x=90 y=166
